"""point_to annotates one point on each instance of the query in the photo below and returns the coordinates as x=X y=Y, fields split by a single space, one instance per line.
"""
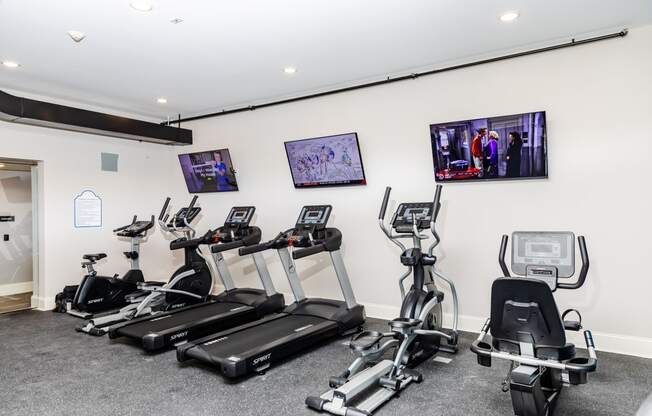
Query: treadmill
x=233 y=307
x=253 y=347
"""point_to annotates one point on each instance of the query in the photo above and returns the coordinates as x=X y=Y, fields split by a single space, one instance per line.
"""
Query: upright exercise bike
x=526 y=327
x=98 y=293
x=415 y=336
x=191 y=283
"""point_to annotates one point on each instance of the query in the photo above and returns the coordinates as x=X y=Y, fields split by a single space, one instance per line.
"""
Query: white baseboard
x=43 y=303
x=15 y=288
x=616 y=343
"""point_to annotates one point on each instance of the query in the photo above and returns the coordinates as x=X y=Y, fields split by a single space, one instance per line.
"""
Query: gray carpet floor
x=46 y=368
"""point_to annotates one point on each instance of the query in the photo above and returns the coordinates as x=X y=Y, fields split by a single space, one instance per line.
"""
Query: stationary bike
x=191 y=283
x=526 y=327
x=98 y=293
x=414 y=336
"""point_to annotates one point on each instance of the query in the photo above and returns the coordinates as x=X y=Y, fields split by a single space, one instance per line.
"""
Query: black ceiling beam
x=41 y=113
x=390 y=80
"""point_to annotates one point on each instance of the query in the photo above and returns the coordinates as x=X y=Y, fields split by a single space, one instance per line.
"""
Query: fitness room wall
x=184 y=250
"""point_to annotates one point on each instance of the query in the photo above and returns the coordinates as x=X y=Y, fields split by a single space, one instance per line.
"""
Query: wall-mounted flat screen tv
x=504 y=147
x=326 y=161
x=210 y=171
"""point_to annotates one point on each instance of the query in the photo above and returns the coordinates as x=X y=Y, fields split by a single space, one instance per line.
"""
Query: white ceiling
x=230 y=52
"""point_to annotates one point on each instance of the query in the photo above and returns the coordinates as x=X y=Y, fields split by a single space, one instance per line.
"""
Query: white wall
x=69 y=163
x=598 y=103
x=16 y=254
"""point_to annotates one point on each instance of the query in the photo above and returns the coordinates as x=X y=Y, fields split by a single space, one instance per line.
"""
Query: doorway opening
x=18 y=234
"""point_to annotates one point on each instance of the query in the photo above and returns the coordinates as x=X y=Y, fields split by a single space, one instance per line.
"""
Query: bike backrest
x=525 y=311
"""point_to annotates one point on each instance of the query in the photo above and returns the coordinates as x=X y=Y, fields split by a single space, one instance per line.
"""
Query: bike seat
x=94 y=257
x=403 y=323
x=365 y=340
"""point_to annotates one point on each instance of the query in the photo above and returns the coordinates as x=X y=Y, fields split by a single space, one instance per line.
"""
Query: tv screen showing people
x=210 y=171
x=505 y=147
x=326 y=161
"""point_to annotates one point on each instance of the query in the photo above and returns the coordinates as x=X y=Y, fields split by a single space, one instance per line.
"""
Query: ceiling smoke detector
x=76 y=35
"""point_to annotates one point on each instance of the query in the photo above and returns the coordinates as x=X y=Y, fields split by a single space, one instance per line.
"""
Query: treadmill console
x=313 y=217
x=178 y=220
x=239 y=217
x=407 y=212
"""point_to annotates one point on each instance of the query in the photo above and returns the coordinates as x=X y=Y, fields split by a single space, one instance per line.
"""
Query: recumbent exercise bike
x=525 y=325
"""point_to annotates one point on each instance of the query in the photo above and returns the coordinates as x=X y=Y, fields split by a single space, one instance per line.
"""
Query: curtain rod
x=415 y=75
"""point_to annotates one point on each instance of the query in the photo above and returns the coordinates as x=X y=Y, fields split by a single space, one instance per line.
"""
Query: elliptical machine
x=191 y=283
x=526 y=327
x=98 y=293
x=416 y=335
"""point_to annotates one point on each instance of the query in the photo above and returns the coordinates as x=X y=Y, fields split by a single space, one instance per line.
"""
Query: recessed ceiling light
x=141 y=5
x=509 y=16
x=290 y=70
x=162 y=100
x=176 y=21
x=76 y=35
x=10 y=64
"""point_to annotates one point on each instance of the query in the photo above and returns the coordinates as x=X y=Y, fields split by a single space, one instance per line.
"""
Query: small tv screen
x=505 y=147
x=210 y=171
x=326 y=161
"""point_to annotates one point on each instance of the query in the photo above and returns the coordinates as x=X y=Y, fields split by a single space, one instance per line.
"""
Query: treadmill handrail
x=220 y=247
x=308 y=251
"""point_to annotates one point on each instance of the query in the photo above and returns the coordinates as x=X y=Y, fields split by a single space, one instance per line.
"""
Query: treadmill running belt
x=163 y=331
x=254 y=348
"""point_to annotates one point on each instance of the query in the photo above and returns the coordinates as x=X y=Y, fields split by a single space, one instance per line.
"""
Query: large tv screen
x=505 y=147
x=326 y=161
x=210 y=171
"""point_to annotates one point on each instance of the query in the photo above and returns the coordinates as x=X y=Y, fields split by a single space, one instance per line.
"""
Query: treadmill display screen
x=314 y=215
x=240 y=215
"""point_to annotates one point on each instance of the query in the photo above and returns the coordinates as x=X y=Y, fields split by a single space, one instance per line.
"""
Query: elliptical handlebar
x=501 y=255
x=383 y=207
x=436 y=204
x=192 y=203
x=163 y=216
x=585 y=267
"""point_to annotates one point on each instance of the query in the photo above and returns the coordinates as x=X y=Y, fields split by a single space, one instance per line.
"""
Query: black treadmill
x=253 y=347
x=233 y=307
